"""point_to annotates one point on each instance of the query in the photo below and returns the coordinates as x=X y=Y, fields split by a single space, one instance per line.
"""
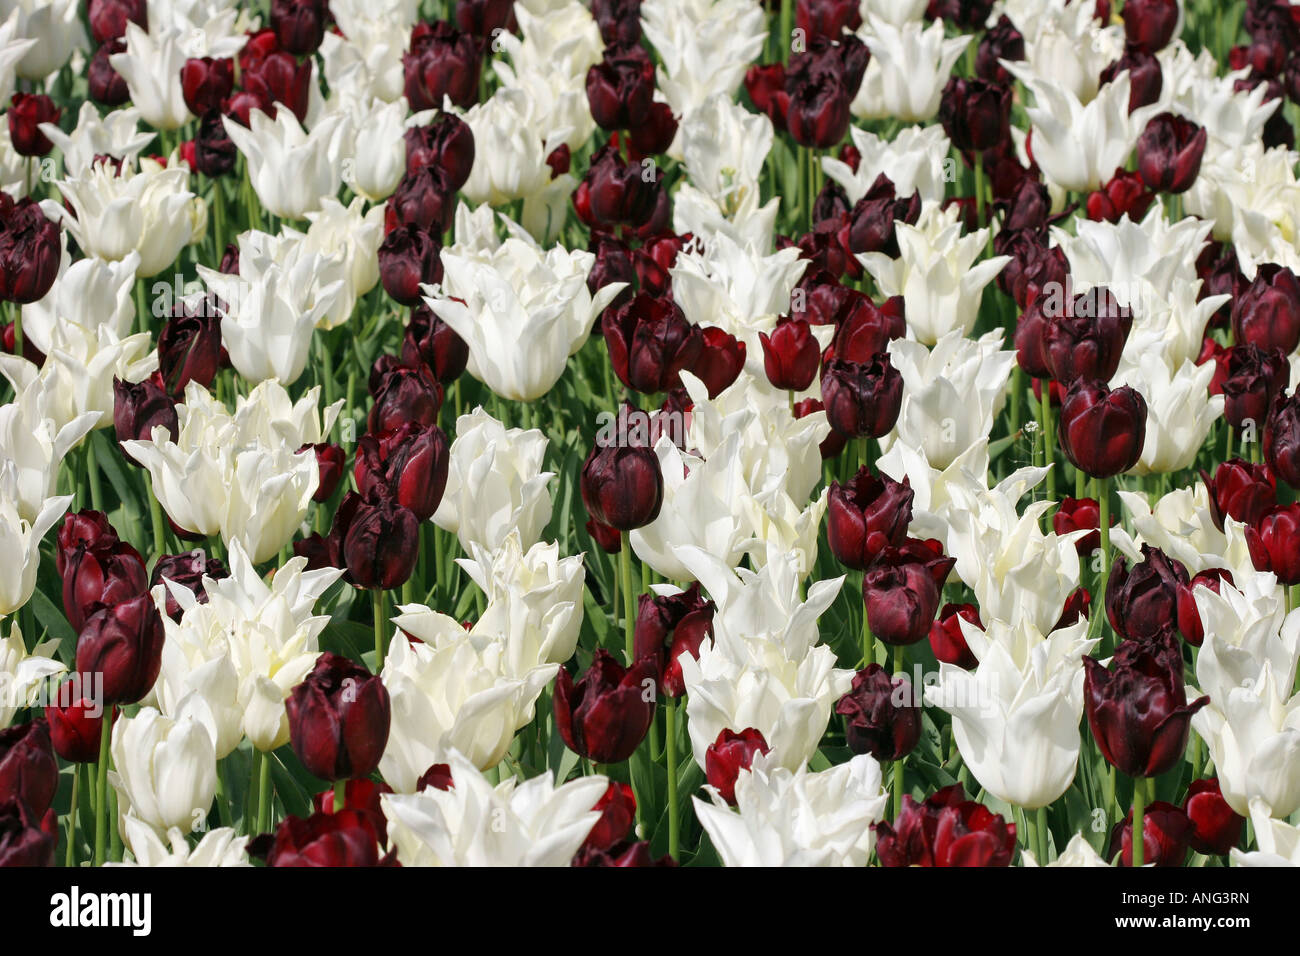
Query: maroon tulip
x=433 y=342
x=84 y=529
x=139 y=408
x=668 y=626
x=617 y=807
x=30 y=251
x=865 y=329
x=1103 y=430
x=622 y=855
x=650 y=342
x=441 y=62
x=872 y=226
x=424 y=199
x=605 y=715
x=408 y=258
x=791 y=354
x=1001 y=42
x=976 y=114
x=27 y=111
x=621 y=193
x=300 y=25
x=1034 y=267
x=882 y=714
x=609 y=540
x=721 y=359
x=1086 y=338
x=1138 y=710
x=1274 y=543
x=765 y=85
x=900 y=599
x=28 y=770
x=365 y=798
x=1253 y=380
x=23 y=841
x=1078 y=514
x=1146 y=77
x=620 y=88
x=656 y=132
x=948 y=640
x=826 y=19
x=331 y=461
x=124 y=644
x=278 y=78
x=327 y=839
x=967 y=15
x=1150 y=24
x=862 y=399
x=447 y=143
x=1166 y=833
x=338 y=719
x=404 y=394
x=1143 y=602
x=411 y=462
x=1169 y=153
x=728 y=755
x=105 y=576
x=622 y=486
x=108 y=18
x=189 y=347
x=75 y=724
x=214 y=151
x=1123 y=195
x=1031 y=328
x=619 y=20
x=188 y=570
x=613 y=264
x=1282 y=439
x=381 y=542
x=1216 y=827
x=1241 y=490
x=817 y=115
x=867 y=515
x=104 y=84
x=945 y=830
x=1189 y=615
x=206 y=82
x=1267 y=314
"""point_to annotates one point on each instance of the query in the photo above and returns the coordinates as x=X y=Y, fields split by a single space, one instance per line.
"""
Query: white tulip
x=219 y=847
x=1065 y=45
x=704 y=47
x=1180 y=524
x=23 y=673
x=908 y=70
x=725 y=146
x=109 y=284
x=379 y=159
x=35 y=445
x=166 y=770
x=20 y=542
x=1180 y=412
x=1078 y=852
x=151 y=67
x=55 y=25
x=916 y=159
x=116 y=134
x=292 y=170
x=779 y=526
x=1278 y=841
x=509 y=155
x=897 y=12
x=746 y=225
x=347 y=240
x=14 y=46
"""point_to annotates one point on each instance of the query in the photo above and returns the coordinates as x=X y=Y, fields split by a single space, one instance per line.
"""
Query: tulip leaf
x=53 y=620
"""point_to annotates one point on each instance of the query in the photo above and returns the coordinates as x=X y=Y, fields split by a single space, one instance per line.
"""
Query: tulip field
x=649 y=433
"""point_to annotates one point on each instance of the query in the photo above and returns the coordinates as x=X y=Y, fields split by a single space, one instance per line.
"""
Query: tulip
x=791 y=355
x=619 y=20
x=650 y=342
x=1001 y=42
x=108 y=18
x=76 y=725
x=408 y=259
x=1189 y=615
x=27 y=111
x=28 y=770
x=1086 y=341
x=404 y=395
x=817 y=114
x=327 y=839
x=364 y=797
x=214 y=151
x=1267 y=314
x=300 y=25
x=876 y=722
x=1079 y=514
x=721 y=359
x=166 y=769
x=140 y=407
x=620 y=193
x=338 y=719
x=947 y=640
x=1169 y=153
x=1102 y=430
x=29 y=251
x=1216 y=827
x=1151 y=24
x=1241 y=490
x=728 y=756
x=206 y=82
x=124 y=644
x=1166 y=833
x=975 y=114
x=607 y=712
x=410 y=461
x=381 y=542
x=622 y=486
x=945 y=830
x=668 y=626
x=424 y=200
x=85 y=529
x=862 y=399
x=104 y=84
x=187 y=570
x=189 y=347
x=617 y=808
x=1253 y=380
x=1138 y=711
x=1143 y=603
x=875 y=215
x=441 y=62
x=277 y=78
x=291 y=169
x=23 y=841
x=1282 y=439
x=901 y=600
x=620 y=88
x=104 y=576
x=1272 y=541
x=151 y=66
x=867 y=515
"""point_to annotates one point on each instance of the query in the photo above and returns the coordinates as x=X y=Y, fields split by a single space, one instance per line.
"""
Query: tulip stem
x=18 y=330
x=155 y=517
x=92 y=473
x=629 y=599
x=340 y=795
x=900 y=668
x=264 y=796
x=254 y=811
x=1049 y=440
x=868 y=644
x=70 y=855
x=1101 y=489
x=1139 y=808
x=380 y=643
x=670 y=752
x=101 y=790
x=1041 y=827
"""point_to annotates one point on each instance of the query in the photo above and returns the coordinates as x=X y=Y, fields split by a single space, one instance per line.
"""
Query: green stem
x=381 y=644
x=92 y=472
x=101 y=789
x=900 y=668
x=1139 y=808
x=155 y=516
x=254 y=811
x=670 y=752
x=70 y=856
x=340 y=795
x=1043 y=842
x=264 y=796
x=1049 y=440
x=629 y=597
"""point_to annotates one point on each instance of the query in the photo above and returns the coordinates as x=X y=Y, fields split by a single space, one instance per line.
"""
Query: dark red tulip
x=605 y=715
x=1031 y=328
x=945 y=830
x=620 y=88
x=188 y=570
x=75 y=723
x=613 y=264
x=976 y=114
x=617 y=806
x=1086 y=339
x=728 y=755
x=1138 y=710
x=338 y=719
x=214 y=151
x=139 y=408
x=30 y=251
x=862 y=399
x=619 y=20
x=865 y=516
x=721 y=359
x=967 y=15
x=411 y=462
x=1169 y=153
x=327 y=839
x=1267 y=314
x=1241 y=490
x=108 y=18
x=424 y=199
x=485 y=18
x=1253 y=380
x=622 y=487
x=1150 y=24
x=668 y=626
x=1189 y=615
x=865 y=329
x=1145 y=76
x=765 y=85
x=1282 y=439
x=622 y=855
x=609 y=540
x=1216 y=827
x=365 y=798
x=23 y=840
x=331 y=460
x=381 y=542
x=827 y=19
x=621 y=193
x=27 y=111
x=900 y=599
x=446 y=142
x=404 y=394
x=1034 y=268
x=1142 y=601
x=817 y=114
x=948 y=641
x=433 y=342
x=300 y=25
x=28 y=770
x=1103 y=430
x=874 y=217
x=85 y=529
x=844 y=59
x=206 y=82
x=1166 y=833
x=1001 y=42
x=1123 y=195
x=882 y=714
x=124 y=643
x=279 y=78
x=105 y=576
x=656 y=132
x=189 y=347
x=650 y=342
x=1274 y=542
x=258 y=46
x=409 y=257
x=441 y=62
x=104 y=84
x=1078 y=514
x=791 y=355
